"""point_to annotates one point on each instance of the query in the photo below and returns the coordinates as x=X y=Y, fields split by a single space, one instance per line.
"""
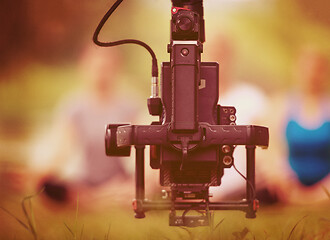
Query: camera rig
x=194 y=138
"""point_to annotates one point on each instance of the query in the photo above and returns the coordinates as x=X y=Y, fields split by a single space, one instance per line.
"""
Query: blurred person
x=74 y=160
x=250 y=102
x=302 y=133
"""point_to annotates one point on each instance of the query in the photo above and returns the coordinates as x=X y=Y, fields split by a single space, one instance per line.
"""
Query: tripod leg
x=139 y=182
x=250 y=184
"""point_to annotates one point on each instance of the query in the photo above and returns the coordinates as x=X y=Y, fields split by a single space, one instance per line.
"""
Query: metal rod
x=139 y=180
x=250 y=183
x=153 y=205
x=250 y=171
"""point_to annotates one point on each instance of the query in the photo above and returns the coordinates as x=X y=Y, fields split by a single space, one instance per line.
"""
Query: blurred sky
x=41 y=43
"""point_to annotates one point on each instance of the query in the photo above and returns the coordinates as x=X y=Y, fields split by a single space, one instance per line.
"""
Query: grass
x=116 y=222
x=30 y=226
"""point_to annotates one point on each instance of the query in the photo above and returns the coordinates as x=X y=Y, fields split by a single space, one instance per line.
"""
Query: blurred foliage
x=51 y=32
x=268 y=36
x=27 y=99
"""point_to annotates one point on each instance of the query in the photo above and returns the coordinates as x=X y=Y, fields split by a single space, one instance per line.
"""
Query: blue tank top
x=309 y=149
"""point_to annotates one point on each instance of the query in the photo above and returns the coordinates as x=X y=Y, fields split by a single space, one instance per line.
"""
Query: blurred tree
x=15 y=30
x=48 y=31
x=316 y=10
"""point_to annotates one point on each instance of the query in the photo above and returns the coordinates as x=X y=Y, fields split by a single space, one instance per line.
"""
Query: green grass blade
x=67 y=227
x=16 y=218
x=294 y=227
x=188 y=231
x=218 y=224
x=107 y=235
x=81 y=233
x=32 y=216
x=76 y=219
x=30 y=219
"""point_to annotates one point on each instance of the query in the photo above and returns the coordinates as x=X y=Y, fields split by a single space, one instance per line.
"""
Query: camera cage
x=194 y=139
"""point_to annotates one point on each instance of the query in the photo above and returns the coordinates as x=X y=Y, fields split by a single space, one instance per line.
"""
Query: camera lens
x=184 y=24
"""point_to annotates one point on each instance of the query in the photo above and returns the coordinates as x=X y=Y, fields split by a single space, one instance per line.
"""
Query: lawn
x=118 y=222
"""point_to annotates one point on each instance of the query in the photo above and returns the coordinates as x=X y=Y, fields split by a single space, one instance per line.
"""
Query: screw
x=165 y=194
x=227 y=160
x=226 y=148
x=232 y=118
x=185 y=52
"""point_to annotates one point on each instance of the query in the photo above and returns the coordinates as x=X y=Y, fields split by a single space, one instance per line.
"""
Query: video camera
x=194 y=139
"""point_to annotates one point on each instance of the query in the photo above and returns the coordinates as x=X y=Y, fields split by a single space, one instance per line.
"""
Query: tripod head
x=194 y=138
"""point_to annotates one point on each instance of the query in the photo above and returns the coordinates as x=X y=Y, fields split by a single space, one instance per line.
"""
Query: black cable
x=247 y=180
x=125 y=41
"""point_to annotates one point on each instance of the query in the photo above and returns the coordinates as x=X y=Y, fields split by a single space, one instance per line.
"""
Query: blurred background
x=42 y=47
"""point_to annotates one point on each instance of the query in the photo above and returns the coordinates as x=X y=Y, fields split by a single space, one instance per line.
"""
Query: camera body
x=194 y=138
